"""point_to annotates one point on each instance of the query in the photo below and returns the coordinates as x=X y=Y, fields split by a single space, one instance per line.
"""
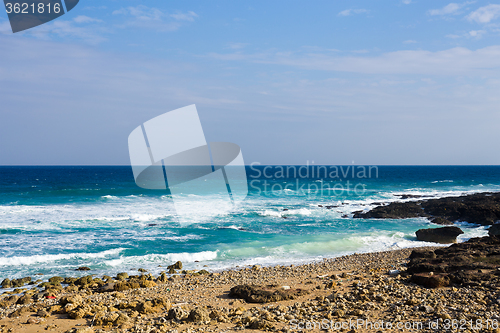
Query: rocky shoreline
x=362 y=288
x=479 y=208
x=429 y=289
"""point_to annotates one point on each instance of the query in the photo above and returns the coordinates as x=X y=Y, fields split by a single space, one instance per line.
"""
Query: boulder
x=444 y=235
x=255 y=294
x=441 y=221
x=494 y=230
x=199 y=316
x=470 y=263
x=177 y=265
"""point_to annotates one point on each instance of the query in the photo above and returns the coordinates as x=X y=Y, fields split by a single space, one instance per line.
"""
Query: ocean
x=54 y=219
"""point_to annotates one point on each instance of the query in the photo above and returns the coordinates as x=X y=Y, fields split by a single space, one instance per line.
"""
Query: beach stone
x=162 y=278
x=108 y=287
x=254 y=294
x=70 y=280
x=43 y=313
x=147 y=284
x=122 y=319
x=56 y=279
x=6 y=283
x=84 y=281
x=256 y=267
x=444 y=235
x=178 y=314
x=33 y=321
x=122 y=276
x=74 y=299
x=426 y=309
x=19 y=312
x=25 y=299
x=122 y=286
x=199 y=316
x=8 y=301
x=177 y=265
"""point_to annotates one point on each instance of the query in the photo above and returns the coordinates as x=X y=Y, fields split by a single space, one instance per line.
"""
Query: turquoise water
x=55 y=219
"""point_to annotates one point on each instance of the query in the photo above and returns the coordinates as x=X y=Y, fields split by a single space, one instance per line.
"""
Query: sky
x=398 y=82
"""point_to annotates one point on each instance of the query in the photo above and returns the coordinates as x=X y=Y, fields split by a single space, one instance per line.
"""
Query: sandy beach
x=355 y=293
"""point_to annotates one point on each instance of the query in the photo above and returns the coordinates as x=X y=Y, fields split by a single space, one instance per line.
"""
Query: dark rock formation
x=254 y=294
x=444 y=235
x=440 y=220
x=474 y=262
x=395 y=210
x=494 y=230
x=479 y=208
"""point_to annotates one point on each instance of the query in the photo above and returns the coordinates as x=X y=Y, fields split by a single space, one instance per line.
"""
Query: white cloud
x=81 y=27
x=485 y=14
x=237 y=46
x=406 y=2
x=153 y=18
x=85 y=19
x=477 y=33
x=471 y=34
x=450 y=9
x=189 y=16
x=454 y=61
x=351 y=11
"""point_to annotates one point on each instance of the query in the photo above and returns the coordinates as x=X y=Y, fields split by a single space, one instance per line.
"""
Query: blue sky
x=393 y=82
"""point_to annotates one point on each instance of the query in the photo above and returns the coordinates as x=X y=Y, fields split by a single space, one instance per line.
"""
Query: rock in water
x=494 y=230
x=444 y=235
x=177 y=265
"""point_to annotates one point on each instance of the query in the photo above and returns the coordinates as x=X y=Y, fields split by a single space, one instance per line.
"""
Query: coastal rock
x=468 y=263
x=479 y=208
x=122 y=276
x=74 y=299
x=83 y=268
x=444 y=235
x=56 y=279
x=441 y=221
x=254 y=294
x=122 y=286
x=395 y=210
x=494 y=230
x=8 y=301
x=178 y=314
x=199 y=315
x=6 y=283
x=25 y=299
x=177 y=265
x=108 y=287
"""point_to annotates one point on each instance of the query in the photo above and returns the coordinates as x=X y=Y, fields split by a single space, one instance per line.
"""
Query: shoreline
x=201 y=302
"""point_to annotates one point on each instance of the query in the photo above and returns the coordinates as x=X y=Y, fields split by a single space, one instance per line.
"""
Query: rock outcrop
x=470 y=263
x=444 y=235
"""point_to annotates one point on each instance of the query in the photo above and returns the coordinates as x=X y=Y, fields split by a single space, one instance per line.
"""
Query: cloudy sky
x=392 y=82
